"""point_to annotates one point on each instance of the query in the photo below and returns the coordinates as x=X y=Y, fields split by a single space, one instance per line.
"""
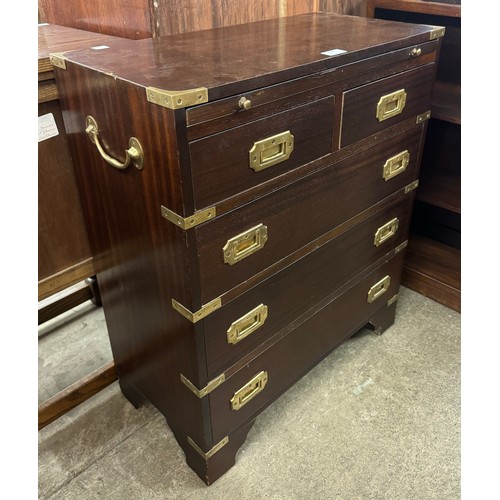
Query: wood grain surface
x=251 y=55
x=136 y=19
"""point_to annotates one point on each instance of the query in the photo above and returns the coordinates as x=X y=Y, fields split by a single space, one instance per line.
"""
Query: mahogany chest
x=247 y=192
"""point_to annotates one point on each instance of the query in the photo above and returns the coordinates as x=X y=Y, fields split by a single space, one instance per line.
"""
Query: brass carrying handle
x=134 y=153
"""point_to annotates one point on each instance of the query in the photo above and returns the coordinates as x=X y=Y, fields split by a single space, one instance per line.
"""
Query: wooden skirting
x=75 y=394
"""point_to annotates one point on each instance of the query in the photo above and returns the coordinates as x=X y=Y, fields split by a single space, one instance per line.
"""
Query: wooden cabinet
x=137 y=19
x=64 y=253
x=248 y=193
x=64 y=256
x=433 y=262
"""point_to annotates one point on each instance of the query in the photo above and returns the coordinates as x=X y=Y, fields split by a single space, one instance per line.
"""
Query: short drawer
x=240 y=244
x=253 y=318
x=375 y=106
x=245 y=394
x=234 y=160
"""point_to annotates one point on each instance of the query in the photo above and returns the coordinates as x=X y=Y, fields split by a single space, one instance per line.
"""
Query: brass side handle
x=239 y=247
x=396 y=165
x=271 y=151
x=390 y=105
x=134 y=153
x=385 y=232
x=378 y=289
x=247 y=324
x=249 y=390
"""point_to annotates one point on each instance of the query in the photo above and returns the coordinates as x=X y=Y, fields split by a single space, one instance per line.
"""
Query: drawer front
x=253 y=318
x=372 y=107
x=292 y=356
x=232 y=161
x=272 y=227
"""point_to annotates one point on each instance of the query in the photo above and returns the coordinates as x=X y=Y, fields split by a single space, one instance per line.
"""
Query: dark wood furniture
x=137 y=19
x=64 y=256
x=433 y=259
x=248 y=194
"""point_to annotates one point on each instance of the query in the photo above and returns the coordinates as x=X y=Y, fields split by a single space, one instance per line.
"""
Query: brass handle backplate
x=385 y=232
x=244 y=244
x=391 y=105
x=134 y=153
x=247 y=324
x=396 y=165
x=378 y=289
x=249 y=391
x=271 y=151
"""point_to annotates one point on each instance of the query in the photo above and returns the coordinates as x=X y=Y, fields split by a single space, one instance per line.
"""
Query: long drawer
x=241 y=397
x=233 y=331
x=237 y=246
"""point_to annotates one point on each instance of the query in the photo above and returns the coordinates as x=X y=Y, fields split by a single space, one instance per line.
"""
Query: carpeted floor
x=378 y=419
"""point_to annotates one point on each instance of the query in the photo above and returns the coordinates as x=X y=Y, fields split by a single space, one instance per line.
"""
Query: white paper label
x=47 y=127
x=99 y=47
x=333 y=52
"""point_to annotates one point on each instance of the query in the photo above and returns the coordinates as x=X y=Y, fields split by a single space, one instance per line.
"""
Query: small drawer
x=259 y=382
x=263 y=232
x=229 y=162
x=372 y=107
x=253 y=318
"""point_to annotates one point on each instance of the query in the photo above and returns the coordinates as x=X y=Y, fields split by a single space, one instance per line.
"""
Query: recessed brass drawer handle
x=391 y=105
x=247 y=324
x=249 y=391
x=396 y=165
x=270 y=151
x=378 y=289
x=244 y=244
x=134 y=152
x=385 y=232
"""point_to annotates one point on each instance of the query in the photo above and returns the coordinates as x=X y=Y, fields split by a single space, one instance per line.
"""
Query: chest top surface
x=232 y=59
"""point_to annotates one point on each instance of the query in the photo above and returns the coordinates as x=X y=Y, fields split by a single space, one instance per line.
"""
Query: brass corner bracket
x=424 y=116
x=177 y=99
x=213 y=384
x=212 y=451
x=205 y=310
x=401 y=247
x=188 y=222
x=437 y=32
x=411 y=187
x=393 y=299
x=58 y=60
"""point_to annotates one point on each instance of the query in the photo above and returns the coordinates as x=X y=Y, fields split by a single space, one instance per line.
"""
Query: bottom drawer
x=242 y=396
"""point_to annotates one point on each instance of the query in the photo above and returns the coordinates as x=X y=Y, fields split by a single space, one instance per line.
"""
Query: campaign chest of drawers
x=247 y=192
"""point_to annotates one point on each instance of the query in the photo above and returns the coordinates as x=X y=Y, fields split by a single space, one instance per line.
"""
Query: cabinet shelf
x=446 y=102
x=441 y=189
x=433 y=269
